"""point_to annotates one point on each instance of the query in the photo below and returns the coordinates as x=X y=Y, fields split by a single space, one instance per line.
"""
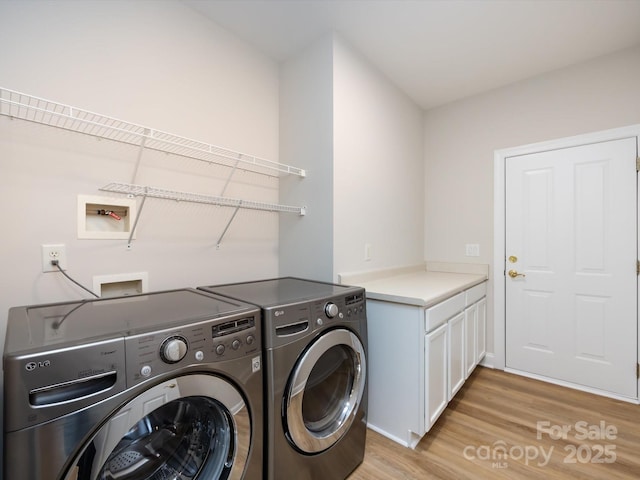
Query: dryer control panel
x=287 y=323
x=204 y=342
x=343 y=308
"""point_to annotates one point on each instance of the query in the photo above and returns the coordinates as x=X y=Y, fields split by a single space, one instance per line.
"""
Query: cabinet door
x=436 y=396
x=470 y=319
x=457 y=346
x=481 y=330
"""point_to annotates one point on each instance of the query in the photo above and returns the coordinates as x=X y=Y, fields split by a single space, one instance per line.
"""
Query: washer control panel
x=209 y=341
x=235 y=336
x=331 y=309
x=173 y=349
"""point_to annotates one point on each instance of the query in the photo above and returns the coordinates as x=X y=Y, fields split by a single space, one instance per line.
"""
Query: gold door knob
x=514 y=274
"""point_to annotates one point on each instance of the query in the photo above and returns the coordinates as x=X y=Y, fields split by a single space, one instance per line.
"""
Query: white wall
x=378 y=168
x=460 y=140
x=306 y=140
x=159 y=64
x=361 y=141
x=155 y=63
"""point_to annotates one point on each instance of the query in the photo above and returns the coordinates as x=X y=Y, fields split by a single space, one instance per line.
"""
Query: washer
x=156 y=386
x=315 y=339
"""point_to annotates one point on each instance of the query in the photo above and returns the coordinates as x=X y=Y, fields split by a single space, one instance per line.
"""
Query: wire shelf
x=26 y=107
x=144 y=191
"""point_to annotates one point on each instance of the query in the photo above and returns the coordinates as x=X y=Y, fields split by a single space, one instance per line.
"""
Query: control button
x=341 y=315
x=220 y=349
x=173 y=349
x=199 y=355
x=348 y=312
x=145 y=371
x=250 y=339
x=331 y=309
x=235 y=344
x=319 y=321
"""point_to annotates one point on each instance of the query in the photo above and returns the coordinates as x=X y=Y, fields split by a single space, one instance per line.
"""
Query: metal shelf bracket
x=135 y=222
x=235 y=212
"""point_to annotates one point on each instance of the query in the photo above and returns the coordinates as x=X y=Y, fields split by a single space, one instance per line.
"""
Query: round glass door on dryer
x=325 y=391
x=192 y=427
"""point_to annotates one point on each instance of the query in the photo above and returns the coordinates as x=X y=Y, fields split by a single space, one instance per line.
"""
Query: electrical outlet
x=53 y=252
x=472 y=250
x=368 y=251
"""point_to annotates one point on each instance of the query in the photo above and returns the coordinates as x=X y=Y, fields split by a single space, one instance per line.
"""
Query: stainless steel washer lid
x=280 y=291
x=34 y=327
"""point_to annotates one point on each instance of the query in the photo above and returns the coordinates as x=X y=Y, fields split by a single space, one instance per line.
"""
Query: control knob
x=331 y=309
x=173 y=349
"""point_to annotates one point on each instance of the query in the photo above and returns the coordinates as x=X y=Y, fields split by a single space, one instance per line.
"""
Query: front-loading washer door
x=324 y=391
x=192 y=427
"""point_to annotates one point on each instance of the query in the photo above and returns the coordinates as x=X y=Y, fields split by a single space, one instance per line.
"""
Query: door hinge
x=637 y=267
x=638 y=370
x=638 y=164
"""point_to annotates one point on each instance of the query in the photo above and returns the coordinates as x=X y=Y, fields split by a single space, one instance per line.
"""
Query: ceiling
x=439 y=51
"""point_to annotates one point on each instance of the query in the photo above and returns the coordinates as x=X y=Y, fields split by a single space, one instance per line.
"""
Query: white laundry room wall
x=460 y=140
x=361 y=140
x=158 y=64
x=306 y=137
x=378 y=168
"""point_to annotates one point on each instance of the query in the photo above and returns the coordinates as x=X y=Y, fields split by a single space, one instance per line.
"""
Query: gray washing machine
x=161 y=386
x=315 y=339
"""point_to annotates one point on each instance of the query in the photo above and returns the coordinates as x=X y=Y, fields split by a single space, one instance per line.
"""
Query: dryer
x=315 y=340
x=156 y=386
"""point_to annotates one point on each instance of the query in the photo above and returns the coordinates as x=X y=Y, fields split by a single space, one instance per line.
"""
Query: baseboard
x=392 y=437
x=488 y=360
x=574 y=386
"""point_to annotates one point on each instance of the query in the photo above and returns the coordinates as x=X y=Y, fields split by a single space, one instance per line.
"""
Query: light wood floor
x=495 y=409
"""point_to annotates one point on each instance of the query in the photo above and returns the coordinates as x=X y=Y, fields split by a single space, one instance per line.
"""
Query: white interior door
x=571 y=239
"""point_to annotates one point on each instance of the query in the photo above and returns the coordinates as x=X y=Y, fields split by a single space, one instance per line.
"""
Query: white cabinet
x=475 y=327
x=419 y=359
x=481 y=330
x=396 y=371
x=470 y=321
x=456 y=355
x=437 y=391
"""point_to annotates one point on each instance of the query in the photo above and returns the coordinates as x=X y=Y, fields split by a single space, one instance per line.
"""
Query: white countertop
x=418 y=287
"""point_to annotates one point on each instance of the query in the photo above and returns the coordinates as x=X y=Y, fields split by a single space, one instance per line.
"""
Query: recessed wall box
x=105 y=217
x=120 y=284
